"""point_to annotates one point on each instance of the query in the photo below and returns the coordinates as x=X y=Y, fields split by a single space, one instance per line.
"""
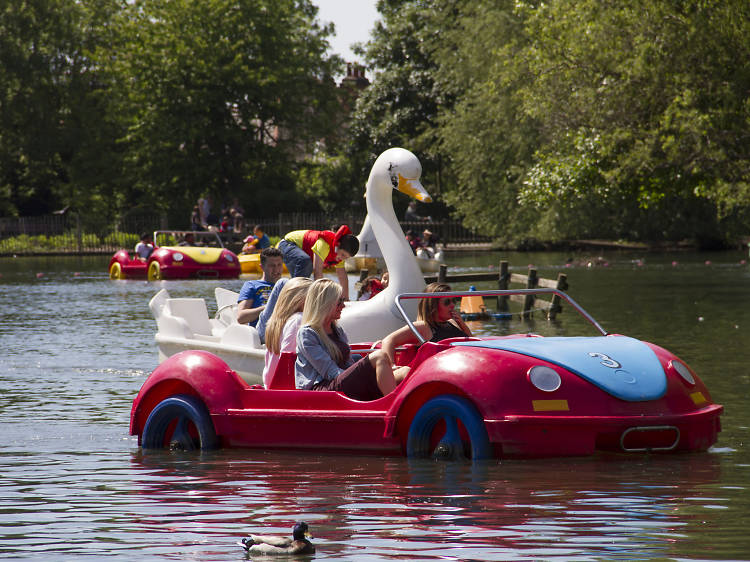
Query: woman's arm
x=403 y=336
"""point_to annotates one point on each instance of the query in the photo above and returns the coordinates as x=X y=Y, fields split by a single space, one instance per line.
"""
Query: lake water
x=77 y=347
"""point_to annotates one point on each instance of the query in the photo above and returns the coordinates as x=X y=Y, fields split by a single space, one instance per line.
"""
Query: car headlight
x=177 y=256
x=683 y=371
x=544 y=378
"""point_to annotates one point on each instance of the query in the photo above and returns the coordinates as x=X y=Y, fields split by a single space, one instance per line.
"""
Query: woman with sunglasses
x=437 y=319
x=324 y=359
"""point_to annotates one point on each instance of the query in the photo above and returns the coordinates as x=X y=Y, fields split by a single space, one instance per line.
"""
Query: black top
x=446 y=330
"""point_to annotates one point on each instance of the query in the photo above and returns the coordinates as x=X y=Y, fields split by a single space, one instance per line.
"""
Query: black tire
x=448 y=427
x=179 y=422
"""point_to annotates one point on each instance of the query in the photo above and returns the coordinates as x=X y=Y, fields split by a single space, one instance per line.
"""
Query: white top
x=288 y=344
x=143 y=250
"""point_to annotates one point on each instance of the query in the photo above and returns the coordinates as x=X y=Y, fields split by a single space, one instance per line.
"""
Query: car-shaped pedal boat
x=521 y=395
x=185 y=254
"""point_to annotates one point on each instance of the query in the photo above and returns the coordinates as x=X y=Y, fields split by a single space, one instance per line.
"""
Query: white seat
x=226 y=306
x=194 y=312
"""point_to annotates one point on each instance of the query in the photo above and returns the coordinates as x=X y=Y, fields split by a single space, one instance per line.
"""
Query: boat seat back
x=226 y=305
x=241 y=335
x=426 y=350
x=158 y=302
x=283 y=377
x=194 y=312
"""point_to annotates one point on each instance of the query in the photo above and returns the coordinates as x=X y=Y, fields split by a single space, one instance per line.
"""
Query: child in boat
x=307 y=252
x=437 y=319
x=281 y=330
x=257 y=242
x=371 y=286
x=324 y=359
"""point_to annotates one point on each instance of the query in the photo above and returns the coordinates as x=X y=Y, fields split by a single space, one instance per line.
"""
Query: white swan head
x=401 y=169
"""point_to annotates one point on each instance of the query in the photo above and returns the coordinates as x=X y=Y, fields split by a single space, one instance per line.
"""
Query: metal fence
x=447 y=231
x=70 y=234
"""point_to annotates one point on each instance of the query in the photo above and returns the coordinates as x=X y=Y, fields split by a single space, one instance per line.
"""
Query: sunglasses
x=449 y=301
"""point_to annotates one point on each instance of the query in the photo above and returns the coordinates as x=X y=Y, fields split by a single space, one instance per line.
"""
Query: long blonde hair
x=322 y=297
x=291 y=299
x=428 y=307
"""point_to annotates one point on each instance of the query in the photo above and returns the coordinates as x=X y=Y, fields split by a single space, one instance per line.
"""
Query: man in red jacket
x=307 y=252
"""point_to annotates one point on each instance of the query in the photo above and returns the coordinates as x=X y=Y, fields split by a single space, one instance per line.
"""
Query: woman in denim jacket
x=324 y=359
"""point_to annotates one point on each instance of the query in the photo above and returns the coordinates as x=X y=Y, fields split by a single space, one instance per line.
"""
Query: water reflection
x=594 y=507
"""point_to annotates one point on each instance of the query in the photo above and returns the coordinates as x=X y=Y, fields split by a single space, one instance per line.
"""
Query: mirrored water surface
x=77 y=347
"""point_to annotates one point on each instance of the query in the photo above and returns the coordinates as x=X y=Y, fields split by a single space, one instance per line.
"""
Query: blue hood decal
x=621 y=366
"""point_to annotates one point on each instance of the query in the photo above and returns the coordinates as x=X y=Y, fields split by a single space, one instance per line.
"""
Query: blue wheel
x=181 y=423
x=448 y=427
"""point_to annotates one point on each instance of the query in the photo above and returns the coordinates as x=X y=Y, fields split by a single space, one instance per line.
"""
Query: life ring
x=179 y=422
x=448 y=427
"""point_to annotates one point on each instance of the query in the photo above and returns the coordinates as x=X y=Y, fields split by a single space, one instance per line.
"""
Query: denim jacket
x=314 y=363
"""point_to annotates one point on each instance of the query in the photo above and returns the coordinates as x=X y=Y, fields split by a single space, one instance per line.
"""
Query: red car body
x=464 y=397
x=178 y=262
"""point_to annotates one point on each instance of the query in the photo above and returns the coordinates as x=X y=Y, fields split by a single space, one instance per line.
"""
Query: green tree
x=642 y=105
x=401 y=106
x=38 y=45
x=219 y=97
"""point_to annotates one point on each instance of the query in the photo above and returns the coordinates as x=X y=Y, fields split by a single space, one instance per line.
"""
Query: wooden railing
x=504 y=278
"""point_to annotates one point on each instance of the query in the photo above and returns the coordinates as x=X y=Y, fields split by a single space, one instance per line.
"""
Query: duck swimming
x=298 y=544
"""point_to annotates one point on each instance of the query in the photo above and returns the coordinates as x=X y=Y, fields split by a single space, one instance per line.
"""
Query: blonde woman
x=437 y=319
x=281 y=330
x=324 y=359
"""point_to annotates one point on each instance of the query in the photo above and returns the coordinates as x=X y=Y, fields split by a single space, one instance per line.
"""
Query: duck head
x=300 y=531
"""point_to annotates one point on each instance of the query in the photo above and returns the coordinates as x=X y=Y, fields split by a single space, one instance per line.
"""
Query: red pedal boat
x=184 y=255
x=514 y=396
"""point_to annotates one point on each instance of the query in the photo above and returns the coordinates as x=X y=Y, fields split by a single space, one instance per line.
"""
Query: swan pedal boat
x=184 y=323
x=521 y=395
x=208 y=259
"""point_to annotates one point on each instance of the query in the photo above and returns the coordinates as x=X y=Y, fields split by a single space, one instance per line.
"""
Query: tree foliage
x=110 y=105
x=220 y=97
x=582 y=118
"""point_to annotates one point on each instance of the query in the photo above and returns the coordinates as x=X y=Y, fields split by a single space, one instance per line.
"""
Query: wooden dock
x=504 y=279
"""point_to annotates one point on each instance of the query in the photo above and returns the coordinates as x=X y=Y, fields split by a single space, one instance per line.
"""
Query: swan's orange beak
x=413 y=188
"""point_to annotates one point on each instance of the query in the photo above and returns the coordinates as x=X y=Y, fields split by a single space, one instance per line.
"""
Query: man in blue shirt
x=254 y=294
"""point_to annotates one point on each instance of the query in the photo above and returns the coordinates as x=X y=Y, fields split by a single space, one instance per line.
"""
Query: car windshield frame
x=492 y=293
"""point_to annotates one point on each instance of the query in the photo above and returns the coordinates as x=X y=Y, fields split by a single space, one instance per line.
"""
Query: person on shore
x=281 y=330
x=324 y=359
x=195 y=219
x=145 y=247
x=307 y=252
x=254 y=293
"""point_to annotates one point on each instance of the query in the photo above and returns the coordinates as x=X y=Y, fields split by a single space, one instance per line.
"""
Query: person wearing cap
x=307 y=252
